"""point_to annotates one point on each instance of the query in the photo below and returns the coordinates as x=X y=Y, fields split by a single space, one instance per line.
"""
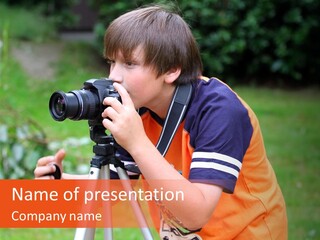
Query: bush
x=23 y=24
x=53 y=14
x=21 y=144
x=246 y=40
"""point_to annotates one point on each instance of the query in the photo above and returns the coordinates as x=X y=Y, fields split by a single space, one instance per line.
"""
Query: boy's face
x=145 y=88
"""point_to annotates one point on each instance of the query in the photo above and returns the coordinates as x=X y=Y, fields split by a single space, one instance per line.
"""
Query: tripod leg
x=108 y=234
x=135 y=205
x=84 y=234
x=88 y=233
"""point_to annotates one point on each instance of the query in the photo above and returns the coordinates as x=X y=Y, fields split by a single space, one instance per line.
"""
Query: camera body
x=85 y=103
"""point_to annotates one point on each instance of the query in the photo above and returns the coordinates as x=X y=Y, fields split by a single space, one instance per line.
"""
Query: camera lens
x=60 y=106
x=75 y=105
x=64 y=105
x=85 y=103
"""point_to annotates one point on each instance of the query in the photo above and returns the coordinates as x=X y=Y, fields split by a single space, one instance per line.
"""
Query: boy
x=217 y=155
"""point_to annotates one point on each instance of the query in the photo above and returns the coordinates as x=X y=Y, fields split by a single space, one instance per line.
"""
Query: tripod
x=104 y=150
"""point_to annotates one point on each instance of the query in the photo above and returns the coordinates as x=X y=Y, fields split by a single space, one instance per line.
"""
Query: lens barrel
x=75 y=105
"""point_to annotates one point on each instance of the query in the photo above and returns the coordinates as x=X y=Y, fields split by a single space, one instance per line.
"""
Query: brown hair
x=165 y=37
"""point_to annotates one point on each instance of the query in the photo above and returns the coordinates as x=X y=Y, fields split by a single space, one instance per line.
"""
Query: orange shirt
x=220 y=142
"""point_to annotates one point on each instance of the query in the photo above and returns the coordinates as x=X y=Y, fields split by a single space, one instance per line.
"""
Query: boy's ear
x=172 y=75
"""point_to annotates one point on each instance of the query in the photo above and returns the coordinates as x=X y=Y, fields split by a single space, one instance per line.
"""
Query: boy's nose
x=115 y=74
x=117 y=79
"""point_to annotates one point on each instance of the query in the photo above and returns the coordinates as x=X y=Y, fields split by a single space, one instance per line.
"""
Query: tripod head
x=98 y=132
x=105 y=148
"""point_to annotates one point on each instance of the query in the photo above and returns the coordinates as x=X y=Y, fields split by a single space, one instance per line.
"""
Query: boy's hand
x=122 y=120
x=46 y=166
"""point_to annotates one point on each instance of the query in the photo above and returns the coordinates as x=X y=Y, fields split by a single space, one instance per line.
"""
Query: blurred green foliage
x=242 y=41
x=25 y=122
x=21 y=144
x=55 y=14
x=25 y=25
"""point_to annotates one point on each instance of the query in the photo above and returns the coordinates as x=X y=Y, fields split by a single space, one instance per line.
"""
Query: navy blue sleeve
x=220 y=132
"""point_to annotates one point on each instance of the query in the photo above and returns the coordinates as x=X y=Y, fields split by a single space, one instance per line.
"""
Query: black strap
x=173 y=119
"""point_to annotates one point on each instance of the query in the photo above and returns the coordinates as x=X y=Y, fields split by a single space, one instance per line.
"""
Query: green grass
x=290 y=121
x=67 y=234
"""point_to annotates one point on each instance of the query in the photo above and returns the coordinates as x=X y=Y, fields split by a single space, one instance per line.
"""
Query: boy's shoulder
x=216 y=109
x=213 y=94
x=212 y=87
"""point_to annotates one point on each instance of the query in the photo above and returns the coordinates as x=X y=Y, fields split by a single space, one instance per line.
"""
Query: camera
x=85 y=103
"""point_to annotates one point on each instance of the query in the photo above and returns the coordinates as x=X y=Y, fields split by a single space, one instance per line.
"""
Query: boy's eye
x=129 y=63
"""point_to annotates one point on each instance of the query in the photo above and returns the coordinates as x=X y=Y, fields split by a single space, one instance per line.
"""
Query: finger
x=59 y=156
x=113 y=103
x=45 y=161
x=45 y=172
x=125 y=97
x=108 y=124
x=45 y=165
x=110 y=112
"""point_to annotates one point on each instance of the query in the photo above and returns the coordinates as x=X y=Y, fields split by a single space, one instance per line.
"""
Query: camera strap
x=175 y=115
